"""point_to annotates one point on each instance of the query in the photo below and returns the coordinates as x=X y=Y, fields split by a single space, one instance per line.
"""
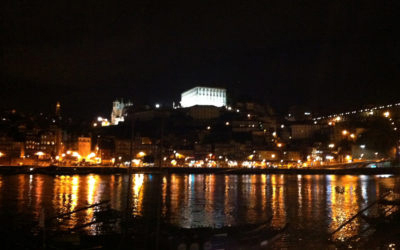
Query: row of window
x=41 y=143
x=206 y=92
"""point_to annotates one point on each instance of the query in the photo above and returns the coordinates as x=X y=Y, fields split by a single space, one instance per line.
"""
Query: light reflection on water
x=343 y=205
x=311 y=204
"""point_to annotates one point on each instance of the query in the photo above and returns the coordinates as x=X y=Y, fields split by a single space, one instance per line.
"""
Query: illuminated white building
x=203 y=96
x=119 y=111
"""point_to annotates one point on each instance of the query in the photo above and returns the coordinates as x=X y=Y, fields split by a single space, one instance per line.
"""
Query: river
x=311 y=204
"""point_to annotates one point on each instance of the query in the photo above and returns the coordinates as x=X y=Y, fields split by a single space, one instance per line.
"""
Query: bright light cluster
x=203 y=96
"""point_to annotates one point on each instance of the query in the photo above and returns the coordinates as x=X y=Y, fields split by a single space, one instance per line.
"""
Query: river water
x=311 y=204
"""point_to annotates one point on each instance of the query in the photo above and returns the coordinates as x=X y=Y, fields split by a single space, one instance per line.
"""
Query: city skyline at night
x=326 y=56
x=199 y=124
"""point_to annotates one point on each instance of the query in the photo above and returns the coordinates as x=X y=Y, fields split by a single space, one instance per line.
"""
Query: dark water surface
x=310 y=203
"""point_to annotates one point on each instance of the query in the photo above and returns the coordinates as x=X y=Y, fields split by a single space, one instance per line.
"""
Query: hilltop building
x=119 y=111
x=203 y=96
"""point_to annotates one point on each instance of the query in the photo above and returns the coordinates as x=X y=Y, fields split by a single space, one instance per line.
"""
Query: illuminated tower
x=58 y=109
x=119 y=111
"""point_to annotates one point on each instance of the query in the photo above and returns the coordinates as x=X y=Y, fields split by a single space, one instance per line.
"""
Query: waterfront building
x=203 y=96
x=269 y=155
x=292 y=156
x=10 y=148
x=84 y=146
x=47 y=141
x=141 y=146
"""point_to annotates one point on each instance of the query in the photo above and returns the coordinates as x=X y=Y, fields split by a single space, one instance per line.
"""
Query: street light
x=40 y=153
x=386 y=114
x=91 y=155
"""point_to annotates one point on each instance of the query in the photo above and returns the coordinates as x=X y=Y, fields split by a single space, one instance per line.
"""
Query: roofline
x=203 y=87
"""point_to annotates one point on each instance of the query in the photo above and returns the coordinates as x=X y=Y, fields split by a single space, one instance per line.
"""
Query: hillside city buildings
x=204 y=131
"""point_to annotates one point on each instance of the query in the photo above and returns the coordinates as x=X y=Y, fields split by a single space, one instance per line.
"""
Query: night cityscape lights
x=200 y=125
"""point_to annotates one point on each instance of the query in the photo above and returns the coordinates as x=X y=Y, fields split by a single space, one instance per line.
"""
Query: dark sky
x=323 y=54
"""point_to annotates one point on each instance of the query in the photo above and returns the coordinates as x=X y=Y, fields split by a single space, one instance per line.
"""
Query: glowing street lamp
x=329 y=157
x=345 y=132
x=40 y=153
x=386 y=114
x=91 y=155
x=179 y=156
x=141 y=154
x=77 y=155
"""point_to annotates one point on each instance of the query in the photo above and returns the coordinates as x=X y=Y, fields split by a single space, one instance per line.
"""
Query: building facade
x=119 y=111
x=203 y=96
x=84 y=146
x=48 y=141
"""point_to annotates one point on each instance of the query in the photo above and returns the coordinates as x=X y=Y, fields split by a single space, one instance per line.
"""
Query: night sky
x=327 y=55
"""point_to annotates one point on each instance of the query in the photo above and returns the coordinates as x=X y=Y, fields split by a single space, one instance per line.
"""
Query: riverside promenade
x=349 y=169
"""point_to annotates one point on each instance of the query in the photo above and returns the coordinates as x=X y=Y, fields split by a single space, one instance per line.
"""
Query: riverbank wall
x=56 y=170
